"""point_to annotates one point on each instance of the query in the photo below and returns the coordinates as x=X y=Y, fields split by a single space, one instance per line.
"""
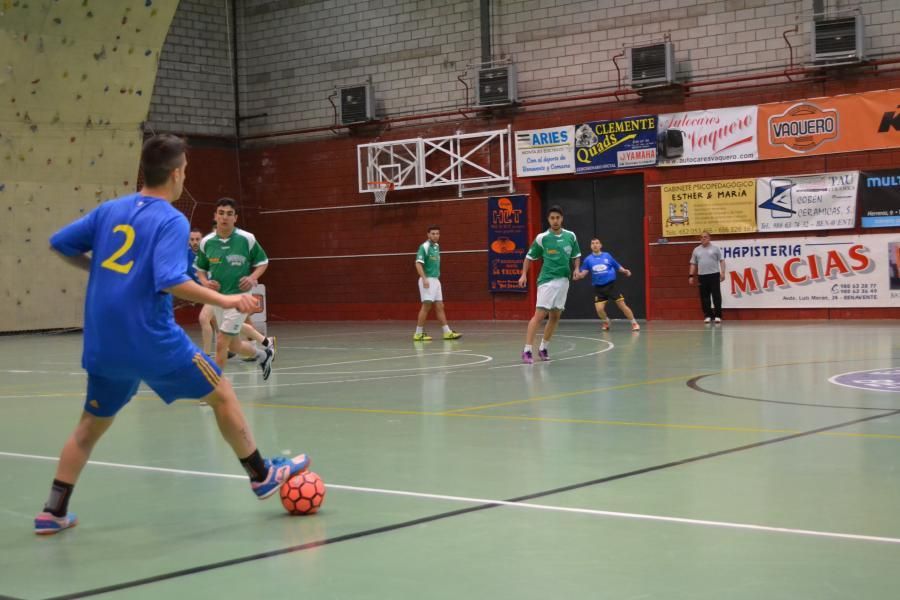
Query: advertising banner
x=545 y=151
x=826 y=201
x=507 y=242
x=847 y=123
x=812 y=272
x=616 y=144
x=880 y=198
x=713 y=136
x=727 y=206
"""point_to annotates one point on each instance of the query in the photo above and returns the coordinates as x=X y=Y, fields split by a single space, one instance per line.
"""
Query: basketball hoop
x=380 y=190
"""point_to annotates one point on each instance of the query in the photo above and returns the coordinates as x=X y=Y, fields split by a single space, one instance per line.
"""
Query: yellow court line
x=570 y=394
x=685 y=426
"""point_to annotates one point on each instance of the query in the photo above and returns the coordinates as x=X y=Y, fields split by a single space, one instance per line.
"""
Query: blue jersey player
x=603 y=268
x=137 y=259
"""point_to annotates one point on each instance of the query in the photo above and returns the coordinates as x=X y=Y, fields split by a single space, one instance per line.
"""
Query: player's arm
x=80 y=261
x=247 y=283
x=75 y=240
x=621 y=269
x=421 y=271
x=201 y=268
x=190 y=291
x=721 y=269
x=577 y=266
x=693 y=269
x=535 y=252
x=260 y=263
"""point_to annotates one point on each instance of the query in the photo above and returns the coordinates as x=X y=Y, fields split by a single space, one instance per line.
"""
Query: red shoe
x=605 y=326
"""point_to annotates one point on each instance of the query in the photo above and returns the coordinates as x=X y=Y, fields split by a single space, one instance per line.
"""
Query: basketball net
x=380 y=190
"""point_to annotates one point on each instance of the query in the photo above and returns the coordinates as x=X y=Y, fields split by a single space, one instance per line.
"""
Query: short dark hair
x=161 y=155
x=433 y=227
x=196 y=230
x=227 y=202
x=556 y=208
x=596 y=238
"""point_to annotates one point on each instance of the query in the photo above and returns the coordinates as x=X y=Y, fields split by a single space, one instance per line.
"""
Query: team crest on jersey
x=568 y=249
x=236 y=260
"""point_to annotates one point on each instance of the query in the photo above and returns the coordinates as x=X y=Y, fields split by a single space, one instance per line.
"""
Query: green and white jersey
x=557 y=252
x=429 y=255
x=226 y=261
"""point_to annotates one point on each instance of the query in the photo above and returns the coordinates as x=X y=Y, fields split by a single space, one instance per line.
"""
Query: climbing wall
x=76 y=77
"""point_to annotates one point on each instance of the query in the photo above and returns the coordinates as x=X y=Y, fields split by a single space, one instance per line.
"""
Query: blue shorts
x=106 y=396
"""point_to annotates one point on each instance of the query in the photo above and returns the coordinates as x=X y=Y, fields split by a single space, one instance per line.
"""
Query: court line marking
x=485 y=359
x=148 y=396
x=445 y=515
x=854 y=387
x=506 y=503
x=365 y=360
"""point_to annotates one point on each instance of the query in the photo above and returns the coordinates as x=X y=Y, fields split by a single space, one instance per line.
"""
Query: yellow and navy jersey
x=137 y=252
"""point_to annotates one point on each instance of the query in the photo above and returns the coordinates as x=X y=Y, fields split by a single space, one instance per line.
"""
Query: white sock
x=634 y=321
x=419 y=330
x=544 y=345
x=527 y=348
x=447 y=329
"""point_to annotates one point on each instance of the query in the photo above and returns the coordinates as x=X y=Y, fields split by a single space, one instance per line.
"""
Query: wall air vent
x=838 y=40
x=496 y=86
x=357 y=104
x=652 y=65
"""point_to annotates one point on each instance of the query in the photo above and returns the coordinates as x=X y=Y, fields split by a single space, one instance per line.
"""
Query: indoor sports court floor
x=683 y=462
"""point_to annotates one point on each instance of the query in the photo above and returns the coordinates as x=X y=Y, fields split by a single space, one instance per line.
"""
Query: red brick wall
x=322 y=173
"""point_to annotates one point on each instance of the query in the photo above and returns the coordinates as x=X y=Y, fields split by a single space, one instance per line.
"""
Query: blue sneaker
x=280 y=470
x=48 y=523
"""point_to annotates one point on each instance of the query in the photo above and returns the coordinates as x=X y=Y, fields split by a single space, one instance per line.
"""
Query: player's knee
x=222 y=394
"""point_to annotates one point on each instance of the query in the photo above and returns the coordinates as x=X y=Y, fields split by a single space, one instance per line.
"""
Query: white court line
x=524 y=505
x=363 y=360
x=449 y=370
x=609 y=347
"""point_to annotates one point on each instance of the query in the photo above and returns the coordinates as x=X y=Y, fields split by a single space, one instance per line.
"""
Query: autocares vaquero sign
x=847 y=123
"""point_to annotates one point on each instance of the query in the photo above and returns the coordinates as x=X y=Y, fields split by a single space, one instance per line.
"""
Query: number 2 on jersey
x=110 y=263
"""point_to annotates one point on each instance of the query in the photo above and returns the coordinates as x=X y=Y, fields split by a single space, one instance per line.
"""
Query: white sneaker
x=718 y=320
x=707 y=320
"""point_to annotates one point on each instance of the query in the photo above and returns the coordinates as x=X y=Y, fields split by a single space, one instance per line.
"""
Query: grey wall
x=293 y=53
x=194 y=91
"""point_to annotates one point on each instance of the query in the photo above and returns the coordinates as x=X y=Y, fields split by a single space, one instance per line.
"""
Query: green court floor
x=686 y=461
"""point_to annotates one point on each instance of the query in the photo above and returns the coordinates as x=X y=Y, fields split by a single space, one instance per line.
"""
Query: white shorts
x=433 y=293
x=552 y=295
x=229 y=320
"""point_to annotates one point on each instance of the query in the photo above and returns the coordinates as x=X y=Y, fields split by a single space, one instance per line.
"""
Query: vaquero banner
x=803 y=203
x=848 y=123
x=880 y=198
x=727 y=206
x=615 y=144
x=713 y=136
x=507 y=242
x=811 y=272
x=545 y=151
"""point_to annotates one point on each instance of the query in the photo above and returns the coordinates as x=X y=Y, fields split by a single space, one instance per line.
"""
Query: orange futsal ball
x=303 y=494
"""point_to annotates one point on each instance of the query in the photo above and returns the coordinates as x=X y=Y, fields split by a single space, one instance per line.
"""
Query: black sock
x=255 y=467
x=265 y=341
x=58 y=502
